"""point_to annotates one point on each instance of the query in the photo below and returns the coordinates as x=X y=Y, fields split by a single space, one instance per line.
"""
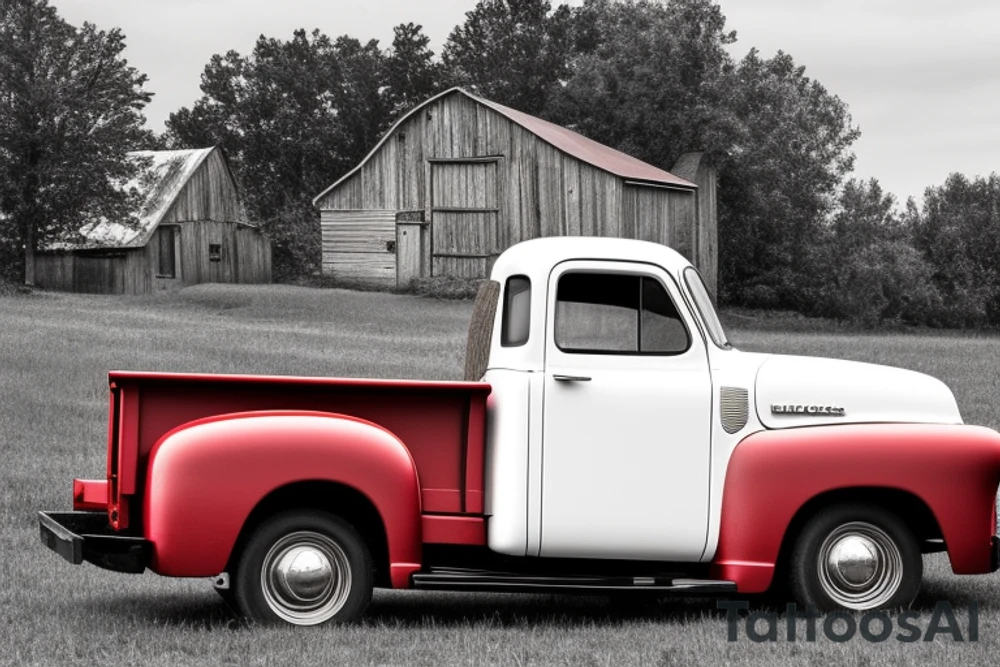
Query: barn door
x=465 y=207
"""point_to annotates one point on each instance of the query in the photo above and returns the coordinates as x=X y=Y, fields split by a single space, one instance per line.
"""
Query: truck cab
x=607 y=438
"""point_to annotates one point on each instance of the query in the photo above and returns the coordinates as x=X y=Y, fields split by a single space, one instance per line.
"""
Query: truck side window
x=605 y=313
x=516 y=312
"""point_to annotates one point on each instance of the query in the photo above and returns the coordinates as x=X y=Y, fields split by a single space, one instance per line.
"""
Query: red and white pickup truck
x=609 y=439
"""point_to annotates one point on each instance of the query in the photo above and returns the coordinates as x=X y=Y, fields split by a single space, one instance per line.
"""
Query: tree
x=70 y=109
x=292 y=115
x=865 y=266
x=514 y=52
x=778 y=179
x=958 y=231
x=649 y=78
x=655 y=79
x=411 y=74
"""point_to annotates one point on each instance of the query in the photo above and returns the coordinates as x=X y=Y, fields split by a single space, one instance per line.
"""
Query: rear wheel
x=304 y=568
x=855 y=557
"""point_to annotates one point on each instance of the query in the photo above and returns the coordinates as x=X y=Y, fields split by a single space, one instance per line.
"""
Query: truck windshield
x=704 y=304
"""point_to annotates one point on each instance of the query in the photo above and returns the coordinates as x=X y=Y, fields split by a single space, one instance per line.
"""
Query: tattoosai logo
x=841 y=626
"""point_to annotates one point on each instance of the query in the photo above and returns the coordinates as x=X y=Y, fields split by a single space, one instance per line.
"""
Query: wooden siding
x=120 y=272
x=210 y=194
x=244 y=254
x=541 y=191
x=245 y=258
x=356 y=245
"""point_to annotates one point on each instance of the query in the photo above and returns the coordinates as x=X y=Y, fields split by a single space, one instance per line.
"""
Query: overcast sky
x=921 y=77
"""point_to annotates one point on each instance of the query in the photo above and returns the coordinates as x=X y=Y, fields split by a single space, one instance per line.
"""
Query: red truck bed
x=441 y=423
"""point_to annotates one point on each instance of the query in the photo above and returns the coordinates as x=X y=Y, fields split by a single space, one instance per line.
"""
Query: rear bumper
x=86 y=536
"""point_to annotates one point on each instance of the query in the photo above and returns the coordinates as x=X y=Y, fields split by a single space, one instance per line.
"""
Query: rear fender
x=205 y=477
x=772 y=475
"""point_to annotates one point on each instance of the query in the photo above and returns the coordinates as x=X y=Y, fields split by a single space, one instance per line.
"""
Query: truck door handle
x=570 y=378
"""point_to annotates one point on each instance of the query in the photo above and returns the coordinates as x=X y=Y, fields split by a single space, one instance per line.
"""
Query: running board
x=500 y=582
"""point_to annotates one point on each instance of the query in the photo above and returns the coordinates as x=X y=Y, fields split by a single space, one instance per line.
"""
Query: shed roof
x=158 y=184
x=570 y=142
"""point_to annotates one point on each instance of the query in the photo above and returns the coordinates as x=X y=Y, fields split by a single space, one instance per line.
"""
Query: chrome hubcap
x=860 y=566
x=306 y=578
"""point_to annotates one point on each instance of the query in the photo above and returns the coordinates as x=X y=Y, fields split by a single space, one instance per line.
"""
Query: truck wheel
x=304 y=568
x=855 y=557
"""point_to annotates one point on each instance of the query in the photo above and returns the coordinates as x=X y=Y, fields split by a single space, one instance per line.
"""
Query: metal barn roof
x=569 y=142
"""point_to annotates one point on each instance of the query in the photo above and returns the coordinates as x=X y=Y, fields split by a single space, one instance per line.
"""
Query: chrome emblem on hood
x=808 y=410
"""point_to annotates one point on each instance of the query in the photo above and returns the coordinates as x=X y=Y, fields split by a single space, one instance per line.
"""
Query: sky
x=921 y=77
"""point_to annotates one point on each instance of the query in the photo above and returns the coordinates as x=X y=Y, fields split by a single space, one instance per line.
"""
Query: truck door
x=627 y=414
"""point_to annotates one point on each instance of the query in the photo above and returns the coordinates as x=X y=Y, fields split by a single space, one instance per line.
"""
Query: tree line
x=653 y=78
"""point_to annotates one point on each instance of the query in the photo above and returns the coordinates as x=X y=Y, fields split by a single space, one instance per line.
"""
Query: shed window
x=516 y=312
x=215 y=252
x=602 y=313
x=168 y=253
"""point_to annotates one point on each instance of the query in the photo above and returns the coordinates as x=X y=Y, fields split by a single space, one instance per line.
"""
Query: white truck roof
x=535 y=258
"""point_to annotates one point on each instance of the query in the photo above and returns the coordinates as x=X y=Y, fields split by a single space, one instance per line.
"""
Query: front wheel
x=304 y=568
x=855 y=557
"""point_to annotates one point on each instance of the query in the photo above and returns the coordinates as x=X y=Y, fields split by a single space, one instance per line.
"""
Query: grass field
x=56 y=349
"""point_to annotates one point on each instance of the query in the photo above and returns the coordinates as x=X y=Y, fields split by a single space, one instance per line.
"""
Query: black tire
x=303 y=567
x=880 y=565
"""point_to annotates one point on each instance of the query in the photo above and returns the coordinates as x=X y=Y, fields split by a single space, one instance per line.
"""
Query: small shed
x=190 y=228
x=459 y=179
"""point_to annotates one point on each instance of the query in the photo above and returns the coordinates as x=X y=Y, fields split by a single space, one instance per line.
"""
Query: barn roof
x=569 y=142
x=158 y=184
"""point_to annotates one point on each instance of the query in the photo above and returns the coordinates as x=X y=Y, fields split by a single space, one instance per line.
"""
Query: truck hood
x=796 y=391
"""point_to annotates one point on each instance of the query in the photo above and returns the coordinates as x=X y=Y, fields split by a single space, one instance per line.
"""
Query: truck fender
x=953 y=470
x=205 y=477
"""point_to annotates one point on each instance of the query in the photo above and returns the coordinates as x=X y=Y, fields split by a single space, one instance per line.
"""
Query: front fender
x=204 y=478
x=954 y=470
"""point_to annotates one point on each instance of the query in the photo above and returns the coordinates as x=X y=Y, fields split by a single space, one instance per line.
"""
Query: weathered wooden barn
x=191 y=228
x=459 y=179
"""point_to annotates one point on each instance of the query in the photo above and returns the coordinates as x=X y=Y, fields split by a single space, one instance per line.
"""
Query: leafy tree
x=865 y=266
x=514 y=52
x=649 y=78
x=411 y=74
x=778 y=179
x=655 y=79
x=958 y=231
x=292 y=115
x=70 y=109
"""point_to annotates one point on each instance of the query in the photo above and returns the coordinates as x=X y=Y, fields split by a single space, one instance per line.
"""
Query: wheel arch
x=909 y=507
x=338 y=499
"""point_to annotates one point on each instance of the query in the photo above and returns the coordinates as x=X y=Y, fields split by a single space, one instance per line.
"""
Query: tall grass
x=55 y=351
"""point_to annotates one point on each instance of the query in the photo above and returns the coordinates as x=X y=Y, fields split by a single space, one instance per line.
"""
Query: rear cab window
x=516 y=326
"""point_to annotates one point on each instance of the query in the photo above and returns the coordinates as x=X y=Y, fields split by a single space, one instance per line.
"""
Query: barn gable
x=459 y=179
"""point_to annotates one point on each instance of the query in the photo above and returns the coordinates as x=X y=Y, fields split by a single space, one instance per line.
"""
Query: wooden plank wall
x=94 y=273
x=253 y=255
x=544 y=192
x=210 y=194
x=660 y=215
x=356 y=245
x=54 y=270
x=245 y=255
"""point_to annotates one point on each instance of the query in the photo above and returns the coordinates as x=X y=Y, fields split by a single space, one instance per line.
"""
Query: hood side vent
x=734 y=407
